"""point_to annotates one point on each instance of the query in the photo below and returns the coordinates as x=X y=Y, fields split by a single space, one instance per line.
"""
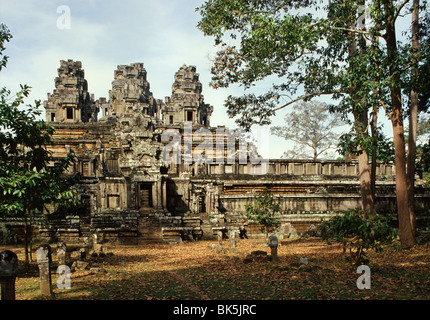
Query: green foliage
x=423 y=148
x=358 y=233
x=263 y=211
x=306 y=55
x=266 y=39
x=30 y=178
x=423 y=162
x=5 y=36
x=354 y=141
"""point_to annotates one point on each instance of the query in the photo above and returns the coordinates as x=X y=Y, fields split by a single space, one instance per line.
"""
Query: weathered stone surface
x=44 y=259
x=288 y=231
x=62 y=254
x=71 y=101
x=8 y=274
x=8 y=264
x=273 y=244
x=311 y=231
x=81 y=265
x=129 y=195
x=186 y=104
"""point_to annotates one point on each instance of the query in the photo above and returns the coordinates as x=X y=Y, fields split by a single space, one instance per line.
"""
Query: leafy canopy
x=29 y=176
x=306 y=49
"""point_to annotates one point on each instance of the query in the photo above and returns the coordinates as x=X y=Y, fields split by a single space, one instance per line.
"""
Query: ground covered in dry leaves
x=196 y=270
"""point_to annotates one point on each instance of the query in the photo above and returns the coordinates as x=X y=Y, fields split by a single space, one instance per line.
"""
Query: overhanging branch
x=306 y=96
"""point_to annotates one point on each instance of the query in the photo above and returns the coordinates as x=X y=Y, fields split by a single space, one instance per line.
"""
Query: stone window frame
x=69 y=113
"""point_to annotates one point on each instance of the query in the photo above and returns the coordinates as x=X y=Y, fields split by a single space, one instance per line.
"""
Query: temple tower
x=71 y=101
x=130 y=93
x=186 y=104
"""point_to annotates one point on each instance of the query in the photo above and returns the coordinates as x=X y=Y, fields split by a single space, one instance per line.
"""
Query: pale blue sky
x=103 y=34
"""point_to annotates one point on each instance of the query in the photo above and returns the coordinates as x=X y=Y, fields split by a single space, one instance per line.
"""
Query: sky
x=162 y=34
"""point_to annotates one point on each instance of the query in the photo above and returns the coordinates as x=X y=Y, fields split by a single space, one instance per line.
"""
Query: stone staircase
x=157 y=225
x=133 y=227
x=85 y=227
x=149 y=227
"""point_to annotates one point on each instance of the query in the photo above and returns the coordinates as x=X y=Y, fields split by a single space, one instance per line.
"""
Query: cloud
x=103 y=34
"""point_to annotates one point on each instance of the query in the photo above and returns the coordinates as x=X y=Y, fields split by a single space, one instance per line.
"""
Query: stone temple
x=130 y=194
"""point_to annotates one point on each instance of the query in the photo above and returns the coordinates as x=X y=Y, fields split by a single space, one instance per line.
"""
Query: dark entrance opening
x=69 y=113
x=86 y=205
x=189 y=116
x=145 y=195
x=202 y=203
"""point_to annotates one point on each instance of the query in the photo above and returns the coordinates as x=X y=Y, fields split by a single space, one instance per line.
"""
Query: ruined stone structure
x=186 y=102
x=128 y=192
x=70 y=101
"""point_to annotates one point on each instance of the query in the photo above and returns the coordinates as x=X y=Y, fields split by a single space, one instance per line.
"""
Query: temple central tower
x=130 y=93
x=186 y=104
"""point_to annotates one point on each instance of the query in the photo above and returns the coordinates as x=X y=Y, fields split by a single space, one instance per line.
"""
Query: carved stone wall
x=128 y=194
x=70 y=100
x=186 y=104
x=130 y=93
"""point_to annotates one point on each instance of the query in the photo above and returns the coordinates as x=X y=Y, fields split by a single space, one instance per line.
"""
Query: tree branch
x=364 y=32
x=389 y=114
x=399 y=9
x=324 y=150
x=299 y=141
x=306 y=96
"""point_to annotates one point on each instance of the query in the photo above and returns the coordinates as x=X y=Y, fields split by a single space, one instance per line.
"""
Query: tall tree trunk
x=367 y=199
x=26 y=258
x=406 y=235
x=361 y=120
x=407 y=238
x=413 y=114
x=374 y=123
x=367 y=171
x=373 y=130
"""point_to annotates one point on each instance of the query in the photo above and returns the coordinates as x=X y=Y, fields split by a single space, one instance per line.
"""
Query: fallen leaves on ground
x=195 y=270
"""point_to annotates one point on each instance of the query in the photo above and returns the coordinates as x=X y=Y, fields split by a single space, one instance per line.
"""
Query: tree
x=423 y=149
x=328 y=54
x=30 y=178
x=263 y=211
x=413 y=112
x=311 y=127
x=383 y=150
x=309 y=55
x=358 y=233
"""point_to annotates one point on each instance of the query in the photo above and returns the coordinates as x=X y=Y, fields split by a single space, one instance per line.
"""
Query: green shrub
x=358 y=233
x=263 y=211
x=426 y=178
